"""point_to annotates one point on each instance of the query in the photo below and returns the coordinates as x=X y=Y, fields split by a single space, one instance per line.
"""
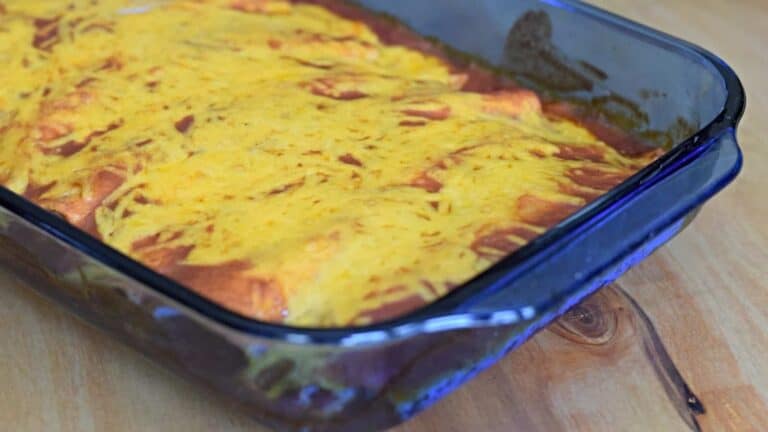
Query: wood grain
x=680 y=343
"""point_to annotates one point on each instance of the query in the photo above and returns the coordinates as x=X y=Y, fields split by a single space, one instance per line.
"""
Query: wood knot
x=594 y=322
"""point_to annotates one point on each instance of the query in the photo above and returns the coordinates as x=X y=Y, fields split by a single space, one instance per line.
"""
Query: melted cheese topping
x=277 y=158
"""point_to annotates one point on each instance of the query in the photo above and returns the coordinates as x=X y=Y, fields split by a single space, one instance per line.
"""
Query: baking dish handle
x=602 y=248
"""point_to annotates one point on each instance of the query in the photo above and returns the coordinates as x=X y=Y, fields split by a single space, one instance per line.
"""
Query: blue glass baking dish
x=672 y=93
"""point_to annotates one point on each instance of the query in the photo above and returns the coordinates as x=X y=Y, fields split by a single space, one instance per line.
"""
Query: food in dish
x=297 y=162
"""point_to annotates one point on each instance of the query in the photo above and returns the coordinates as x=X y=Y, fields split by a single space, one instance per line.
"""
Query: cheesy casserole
x=289 y=160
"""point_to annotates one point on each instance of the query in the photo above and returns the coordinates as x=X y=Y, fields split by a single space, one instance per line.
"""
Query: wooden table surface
x=680 y=343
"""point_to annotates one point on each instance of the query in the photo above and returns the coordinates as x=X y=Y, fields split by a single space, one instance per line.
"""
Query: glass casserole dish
x=345 y=378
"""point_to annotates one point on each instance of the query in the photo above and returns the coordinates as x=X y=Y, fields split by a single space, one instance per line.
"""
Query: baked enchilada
x=298 y=162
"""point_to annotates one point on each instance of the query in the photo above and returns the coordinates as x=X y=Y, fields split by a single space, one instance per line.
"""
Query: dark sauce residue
x=183 y=125
x=531 y=56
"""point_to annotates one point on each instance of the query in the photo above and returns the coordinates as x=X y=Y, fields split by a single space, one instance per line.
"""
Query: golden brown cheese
x=279 y=158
